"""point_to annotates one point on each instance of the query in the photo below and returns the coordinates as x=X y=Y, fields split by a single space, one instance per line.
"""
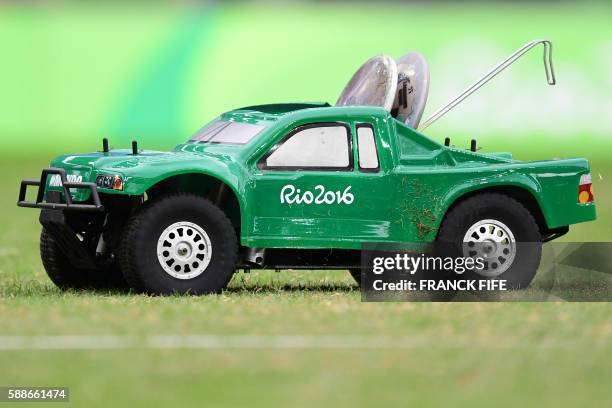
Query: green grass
x=465 y=354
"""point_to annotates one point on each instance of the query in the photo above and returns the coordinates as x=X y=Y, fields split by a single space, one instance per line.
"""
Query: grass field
x=289 y=338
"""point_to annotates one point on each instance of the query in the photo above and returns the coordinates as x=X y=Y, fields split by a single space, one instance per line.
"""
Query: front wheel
x=499 y=230
x=66 y=276
x=179 y=244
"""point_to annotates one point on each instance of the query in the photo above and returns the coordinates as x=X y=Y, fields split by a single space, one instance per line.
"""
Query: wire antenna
x=548 y=67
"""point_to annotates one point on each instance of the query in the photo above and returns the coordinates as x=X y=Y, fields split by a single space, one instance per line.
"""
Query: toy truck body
x=301 y=185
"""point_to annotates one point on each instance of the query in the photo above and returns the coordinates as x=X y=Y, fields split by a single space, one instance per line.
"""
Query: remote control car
x=302 y=185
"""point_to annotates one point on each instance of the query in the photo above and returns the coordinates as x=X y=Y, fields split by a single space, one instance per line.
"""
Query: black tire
x=138 y=249
x=65 y=276
x=356 y=274
x=511 y=213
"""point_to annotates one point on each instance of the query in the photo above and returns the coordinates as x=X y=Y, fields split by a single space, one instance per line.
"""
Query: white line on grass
x=201 y=342
x=79 y=342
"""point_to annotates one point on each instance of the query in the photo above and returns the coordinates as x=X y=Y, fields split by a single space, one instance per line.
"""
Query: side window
x=366 y=144
x=312 y=147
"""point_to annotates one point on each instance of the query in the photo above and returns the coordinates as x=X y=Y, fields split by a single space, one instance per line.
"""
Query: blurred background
x=73 y=73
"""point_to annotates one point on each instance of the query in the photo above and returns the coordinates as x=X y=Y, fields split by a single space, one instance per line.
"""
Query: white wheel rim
x=184 y=250
x=493 y=241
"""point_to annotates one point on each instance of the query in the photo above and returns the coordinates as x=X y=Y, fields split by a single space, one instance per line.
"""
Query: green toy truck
x=297 y=185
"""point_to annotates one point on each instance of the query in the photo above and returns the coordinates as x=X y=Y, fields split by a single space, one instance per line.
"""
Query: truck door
x=317 y=188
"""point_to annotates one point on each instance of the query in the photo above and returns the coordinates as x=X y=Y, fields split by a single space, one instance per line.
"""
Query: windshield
x=227 y=132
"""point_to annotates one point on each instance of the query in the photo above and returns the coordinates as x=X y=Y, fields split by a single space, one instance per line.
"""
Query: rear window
x=227 y=132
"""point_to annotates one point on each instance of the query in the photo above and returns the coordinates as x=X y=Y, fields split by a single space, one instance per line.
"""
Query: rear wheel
x=66 y=276
x=501 y=231
x=181 y=244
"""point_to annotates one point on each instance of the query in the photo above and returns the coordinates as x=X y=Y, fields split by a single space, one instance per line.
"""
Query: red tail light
x=585 y=189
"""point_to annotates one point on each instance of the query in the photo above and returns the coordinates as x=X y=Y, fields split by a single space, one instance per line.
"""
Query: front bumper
x=43 y=203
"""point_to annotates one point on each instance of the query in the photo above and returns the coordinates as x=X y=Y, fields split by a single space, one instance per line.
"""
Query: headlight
x=108 y=181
